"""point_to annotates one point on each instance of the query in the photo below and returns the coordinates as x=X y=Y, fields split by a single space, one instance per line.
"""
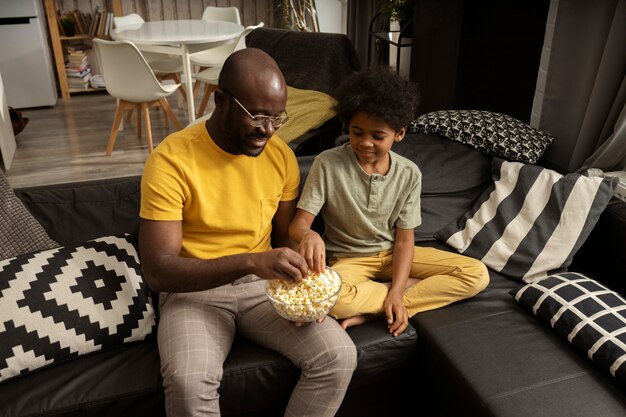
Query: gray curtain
x=360 y=14
x=581 y=87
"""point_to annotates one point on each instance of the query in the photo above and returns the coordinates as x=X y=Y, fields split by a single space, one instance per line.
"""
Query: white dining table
x=179 y=37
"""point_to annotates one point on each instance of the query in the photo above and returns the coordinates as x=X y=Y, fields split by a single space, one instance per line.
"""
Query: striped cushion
x=584 y=312
x=531 y=221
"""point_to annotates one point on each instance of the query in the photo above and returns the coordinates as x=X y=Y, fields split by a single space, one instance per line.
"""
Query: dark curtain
x=360 y=14
x=581 y=90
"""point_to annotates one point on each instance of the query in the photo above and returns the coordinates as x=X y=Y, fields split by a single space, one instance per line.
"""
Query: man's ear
x=220 y=99
x=400 y=134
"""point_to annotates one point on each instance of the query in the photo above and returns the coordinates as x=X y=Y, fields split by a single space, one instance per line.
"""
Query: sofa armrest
x=602 y=255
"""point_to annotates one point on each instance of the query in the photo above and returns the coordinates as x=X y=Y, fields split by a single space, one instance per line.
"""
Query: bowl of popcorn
x=305 y=301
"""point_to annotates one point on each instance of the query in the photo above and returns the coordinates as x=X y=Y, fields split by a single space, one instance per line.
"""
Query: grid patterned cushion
x=69 y=301
x=492 y=133
x=531 y=221
x=19 y=231
x=585 y=313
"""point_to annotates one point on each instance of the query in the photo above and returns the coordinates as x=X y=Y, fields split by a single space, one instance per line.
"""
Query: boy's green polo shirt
x=360 y=210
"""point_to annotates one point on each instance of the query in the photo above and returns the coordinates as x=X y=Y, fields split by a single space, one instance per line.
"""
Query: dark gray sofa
x=481 y=357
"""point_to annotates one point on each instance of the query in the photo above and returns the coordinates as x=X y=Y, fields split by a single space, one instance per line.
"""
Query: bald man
x=216 y=203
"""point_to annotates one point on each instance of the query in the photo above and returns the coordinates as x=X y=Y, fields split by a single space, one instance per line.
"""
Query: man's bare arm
x=166 y=271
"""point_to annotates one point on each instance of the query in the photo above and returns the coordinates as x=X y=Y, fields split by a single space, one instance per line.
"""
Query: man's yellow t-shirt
x=226 y=202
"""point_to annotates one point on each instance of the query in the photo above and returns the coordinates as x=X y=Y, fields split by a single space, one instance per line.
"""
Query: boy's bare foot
x=356 y=320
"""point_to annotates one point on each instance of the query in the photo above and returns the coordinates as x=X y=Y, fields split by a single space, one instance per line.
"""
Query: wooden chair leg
x=181 y=88
x=196 y=86
x=167 y=109
x=196 y=83
x=119 y=114
x=166 y=117
x=208 y=90
x=146 y=118
x=129 y=115
x=138 y=106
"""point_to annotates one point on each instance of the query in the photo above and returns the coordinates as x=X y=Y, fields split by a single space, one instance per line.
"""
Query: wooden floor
x=67 y=142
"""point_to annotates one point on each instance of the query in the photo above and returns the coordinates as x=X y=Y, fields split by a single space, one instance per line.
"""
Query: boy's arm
x=311 y=244
x=403 y=248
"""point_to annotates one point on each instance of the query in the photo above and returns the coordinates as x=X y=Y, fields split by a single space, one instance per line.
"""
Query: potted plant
x=67 y=25
x=400 y=11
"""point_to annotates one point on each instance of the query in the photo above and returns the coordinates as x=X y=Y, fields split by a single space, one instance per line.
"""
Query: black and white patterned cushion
x=584 y=312
x=492 y=133
x=532 y=221
x=69 y=301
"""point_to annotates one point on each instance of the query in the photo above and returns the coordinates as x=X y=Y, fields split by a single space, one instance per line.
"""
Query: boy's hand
x=397 y=316
x=313 y=250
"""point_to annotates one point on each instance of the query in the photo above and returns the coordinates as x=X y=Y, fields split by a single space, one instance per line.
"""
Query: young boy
x=369 y=198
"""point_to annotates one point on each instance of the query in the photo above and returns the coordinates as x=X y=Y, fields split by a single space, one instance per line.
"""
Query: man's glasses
x=260 y=120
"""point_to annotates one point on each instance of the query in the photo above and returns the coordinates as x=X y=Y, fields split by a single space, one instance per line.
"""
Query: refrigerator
x=26 y=62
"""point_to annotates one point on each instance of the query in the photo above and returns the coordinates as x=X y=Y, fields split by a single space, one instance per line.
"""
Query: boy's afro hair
x=379 y=92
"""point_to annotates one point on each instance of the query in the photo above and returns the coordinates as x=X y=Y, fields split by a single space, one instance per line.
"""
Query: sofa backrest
x=308 y=60
x=77 y=212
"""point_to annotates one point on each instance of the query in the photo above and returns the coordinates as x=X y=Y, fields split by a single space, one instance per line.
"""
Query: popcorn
x=307 y=300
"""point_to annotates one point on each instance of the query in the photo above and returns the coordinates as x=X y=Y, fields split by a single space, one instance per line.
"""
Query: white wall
x=332 y=15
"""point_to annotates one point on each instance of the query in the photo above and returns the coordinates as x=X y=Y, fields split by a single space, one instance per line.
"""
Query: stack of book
x=77 y=69
x=102 y=24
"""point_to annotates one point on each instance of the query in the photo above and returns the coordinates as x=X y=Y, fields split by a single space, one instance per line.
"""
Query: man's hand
x=281 y=263
x=314 y=251
x=397 y=316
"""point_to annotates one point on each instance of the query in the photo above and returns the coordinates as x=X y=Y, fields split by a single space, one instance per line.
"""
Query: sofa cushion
x=583 y=312
x=531 y=221
x=487 y=357
x=268 y=378
x=453 y=177
x=19 y=231
x=123 y=381
x=493 y=133
x=307 y=110
x=65 y=302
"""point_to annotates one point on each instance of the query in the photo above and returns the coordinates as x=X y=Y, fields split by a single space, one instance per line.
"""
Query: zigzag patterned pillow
x=492 y=133
x=585 y=313
x=532 y=221
x=69 y=301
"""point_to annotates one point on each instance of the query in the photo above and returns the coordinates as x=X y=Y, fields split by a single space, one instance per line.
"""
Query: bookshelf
x=58 y=40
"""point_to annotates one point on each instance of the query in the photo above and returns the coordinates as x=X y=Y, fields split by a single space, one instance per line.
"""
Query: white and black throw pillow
x=69 y=301
x=584 y=312
x=492 y=133
x=532 y=221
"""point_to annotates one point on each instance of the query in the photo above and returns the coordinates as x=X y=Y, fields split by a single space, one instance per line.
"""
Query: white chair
x=209 y=76
x=216 y=56
x=225 y=14
x=165 y=67
x=129 y=78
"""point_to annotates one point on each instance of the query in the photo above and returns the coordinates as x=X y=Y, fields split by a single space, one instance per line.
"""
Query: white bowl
x=305 y=301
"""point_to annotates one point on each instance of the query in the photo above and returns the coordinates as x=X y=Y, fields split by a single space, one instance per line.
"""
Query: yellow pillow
x=307 y=109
